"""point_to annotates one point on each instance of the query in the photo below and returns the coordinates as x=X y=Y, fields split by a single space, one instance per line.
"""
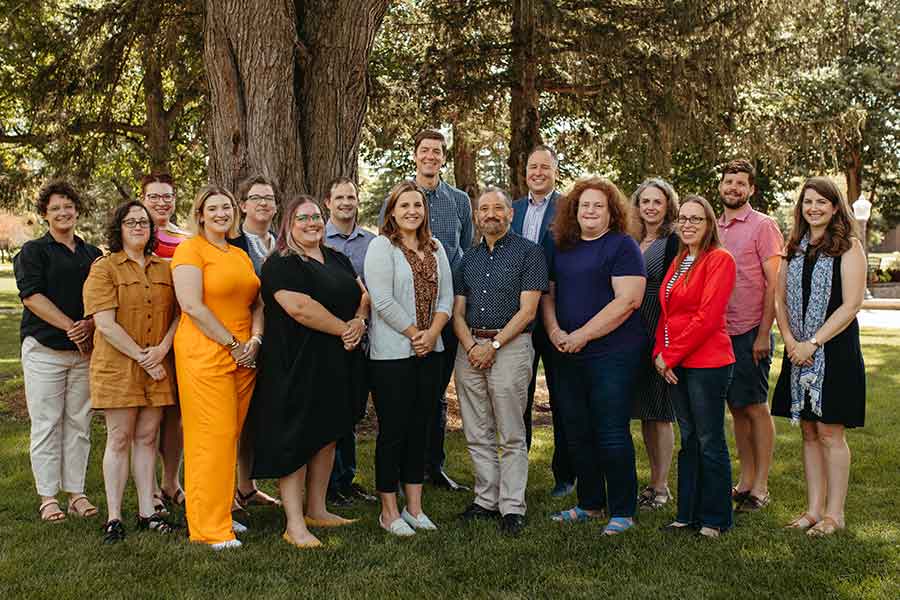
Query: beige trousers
x=57 y=393
x=492 y=403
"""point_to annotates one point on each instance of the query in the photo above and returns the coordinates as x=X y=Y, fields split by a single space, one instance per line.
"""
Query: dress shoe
x=512 y=524
x=336 y=498
x=354 y=491
x=474 y=512
x=562 y=489
x=440 y=479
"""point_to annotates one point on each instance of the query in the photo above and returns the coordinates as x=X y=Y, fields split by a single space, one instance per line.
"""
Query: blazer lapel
x=548 y=215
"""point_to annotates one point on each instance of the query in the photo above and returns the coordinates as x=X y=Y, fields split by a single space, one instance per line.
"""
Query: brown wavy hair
x=391 y=230
x=710 y=239
x=114 y=227
x=636 y=226
x=285 y=244
x=565 y=228
x=841 y=229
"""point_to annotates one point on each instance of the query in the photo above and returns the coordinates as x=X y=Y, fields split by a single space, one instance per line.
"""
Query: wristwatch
x=495 y=344
x=813 y=341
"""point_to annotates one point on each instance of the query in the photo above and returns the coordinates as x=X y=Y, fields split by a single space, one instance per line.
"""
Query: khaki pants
x=59 y=405
x=492 y=403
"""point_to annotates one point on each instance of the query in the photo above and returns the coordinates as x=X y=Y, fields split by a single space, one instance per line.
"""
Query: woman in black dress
x=654 y=208
x=822 y=383
x=311 y=388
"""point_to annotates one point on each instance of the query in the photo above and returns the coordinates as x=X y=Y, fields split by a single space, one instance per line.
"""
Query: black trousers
x=406 y=394
x=563 y=469
x=434 y=445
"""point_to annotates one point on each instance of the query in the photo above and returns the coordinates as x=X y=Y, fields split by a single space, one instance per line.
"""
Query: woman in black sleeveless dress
x=822 y=383
x=654 y=208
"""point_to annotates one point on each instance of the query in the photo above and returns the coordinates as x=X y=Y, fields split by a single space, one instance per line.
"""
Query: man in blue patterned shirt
x=450 y=218
x=498 y=286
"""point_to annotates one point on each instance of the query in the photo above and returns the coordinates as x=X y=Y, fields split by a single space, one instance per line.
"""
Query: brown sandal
x=255 y=498
x=51 y=516
x=85 y=511
x=799 y=523
x=827 y=526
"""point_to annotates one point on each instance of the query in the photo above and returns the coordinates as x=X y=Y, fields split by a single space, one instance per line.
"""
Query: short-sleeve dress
x=844 y=387
x=144 y=301
x=652 y=401
x=310 y=390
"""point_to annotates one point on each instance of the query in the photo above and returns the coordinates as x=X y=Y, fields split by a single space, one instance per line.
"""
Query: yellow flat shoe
x=339 y=522
x=290 y=540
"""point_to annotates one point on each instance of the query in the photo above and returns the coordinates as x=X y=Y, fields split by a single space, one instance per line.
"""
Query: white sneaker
x=420 y=522
x=238 y=527
x=226 y=545
x=398 y=527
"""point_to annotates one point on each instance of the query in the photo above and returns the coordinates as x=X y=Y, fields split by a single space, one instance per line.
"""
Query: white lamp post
x=862 y=211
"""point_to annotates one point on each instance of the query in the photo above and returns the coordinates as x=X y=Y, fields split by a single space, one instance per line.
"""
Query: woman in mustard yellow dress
x=216 y=344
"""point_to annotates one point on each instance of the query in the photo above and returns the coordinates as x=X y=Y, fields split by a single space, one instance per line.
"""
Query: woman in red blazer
x=693 y=353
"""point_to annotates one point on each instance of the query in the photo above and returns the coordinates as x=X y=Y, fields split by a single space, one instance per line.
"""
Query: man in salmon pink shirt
x=756 y=243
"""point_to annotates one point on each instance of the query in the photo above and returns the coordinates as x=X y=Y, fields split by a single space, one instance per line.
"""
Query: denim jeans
x=704 y=467
x=344 y=470
x=594 y=398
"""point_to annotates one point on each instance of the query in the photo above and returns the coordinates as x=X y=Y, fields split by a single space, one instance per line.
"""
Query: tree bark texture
x=288 y=88
x=853 y=168
x=464 y=164
x=525 y=116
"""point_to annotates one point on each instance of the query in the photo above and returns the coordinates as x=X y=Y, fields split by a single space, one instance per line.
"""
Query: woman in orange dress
x=216 y=343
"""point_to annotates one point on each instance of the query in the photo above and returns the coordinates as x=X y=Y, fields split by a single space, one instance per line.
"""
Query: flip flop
x=51 y=516
x=803 y=522
x=84 y=511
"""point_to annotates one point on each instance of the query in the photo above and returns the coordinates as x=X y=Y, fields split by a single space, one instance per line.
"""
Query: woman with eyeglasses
x=129 y=293
x=216 y=343
x=158 y=196
x=312 y=386
x=693 y=353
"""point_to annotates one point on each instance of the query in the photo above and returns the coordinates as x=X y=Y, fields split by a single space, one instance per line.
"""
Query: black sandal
x=154 y=522
x=114 y=532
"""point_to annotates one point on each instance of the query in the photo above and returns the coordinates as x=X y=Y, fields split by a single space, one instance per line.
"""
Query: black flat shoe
x=113 y=532
x=512 y=524
x=336 y=498
x=154 y=522
x=474 y=512
x=354 y=491
x=440 y=479
x=673 y=528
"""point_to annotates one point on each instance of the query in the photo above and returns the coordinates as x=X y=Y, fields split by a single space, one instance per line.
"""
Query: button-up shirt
x=752 y=238
x=534 y=216
x=353 y=246
x=450 y=214
x=493 y=280
x=45 y=266
x=144 y=302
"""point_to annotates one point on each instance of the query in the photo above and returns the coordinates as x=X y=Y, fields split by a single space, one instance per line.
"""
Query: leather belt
x=488 y=334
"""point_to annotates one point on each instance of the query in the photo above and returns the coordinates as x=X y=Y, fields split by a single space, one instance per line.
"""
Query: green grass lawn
x=758 y=559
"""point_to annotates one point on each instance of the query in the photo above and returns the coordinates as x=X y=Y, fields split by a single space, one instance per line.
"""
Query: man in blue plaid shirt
x=450 y=218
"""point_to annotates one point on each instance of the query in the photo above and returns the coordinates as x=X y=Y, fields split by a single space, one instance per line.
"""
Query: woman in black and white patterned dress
x=654 y=207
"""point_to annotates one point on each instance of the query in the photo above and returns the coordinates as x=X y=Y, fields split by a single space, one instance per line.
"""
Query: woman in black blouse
x=56 y=346
x=311 y=388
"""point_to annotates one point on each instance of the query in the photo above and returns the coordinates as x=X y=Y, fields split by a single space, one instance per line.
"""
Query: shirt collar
x=49 y=239
x=121 y=258
x=742 y=215
x=332 y=231
x=543 y=202
x=499 y=243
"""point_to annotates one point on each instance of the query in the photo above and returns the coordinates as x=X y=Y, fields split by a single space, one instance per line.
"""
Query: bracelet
x=256 y=338
x=361 y=318
x=234 y=343
x=470 y=347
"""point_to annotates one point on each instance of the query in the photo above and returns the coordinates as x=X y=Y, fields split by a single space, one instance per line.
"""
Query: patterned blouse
x=425 y=283
x=681 y=270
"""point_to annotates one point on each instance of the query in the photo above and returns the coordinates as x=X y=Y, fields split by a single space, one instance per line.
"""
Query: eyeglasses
x=692 y=220
x=313 y=218
x=256 y=198
x=160 y=197
x=136 y=223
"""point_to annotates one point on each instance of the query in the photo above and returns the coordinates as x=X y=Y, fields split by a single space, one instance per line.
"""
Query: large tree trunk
x=465 y=174
x=288 y=88
x=853 y=172
x=523 y=108
x=157 y=124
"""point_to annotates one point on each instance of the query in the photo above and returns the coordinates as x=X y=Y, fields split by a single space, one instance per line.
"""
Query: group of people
x=253 y=350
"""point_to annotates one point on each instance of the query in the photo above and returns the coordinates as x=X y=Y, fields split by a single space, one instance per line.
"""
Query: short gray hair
x=492 y=189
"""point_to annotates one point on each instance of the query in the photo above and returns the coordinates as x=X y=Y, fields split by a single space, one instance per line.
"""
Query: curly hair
x=60 y=187
x=841 y=229
x=565 y=228
x=391 y=230
x=636 y=226
x=114 y=228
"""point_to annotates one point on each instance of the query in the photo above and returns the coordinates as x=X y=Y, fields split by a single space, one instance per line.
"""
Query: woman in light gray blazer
x=411 y=289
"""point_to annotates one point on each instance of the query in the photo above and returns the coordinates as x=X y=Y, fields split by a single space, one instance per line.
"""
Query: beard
x=733 y=203
x=492 y=227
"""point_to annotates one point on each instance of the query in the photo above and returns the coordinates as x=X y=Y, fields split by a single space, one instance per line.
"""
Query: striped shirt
x=682 y=269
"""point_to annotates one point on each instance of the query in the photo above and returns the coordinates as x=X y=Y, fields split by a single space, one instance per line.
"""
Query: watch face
x=495 y=344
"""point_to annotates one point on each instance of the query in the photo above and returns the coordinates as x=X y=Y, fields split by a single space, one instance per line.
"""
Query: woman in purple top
x=597 y=280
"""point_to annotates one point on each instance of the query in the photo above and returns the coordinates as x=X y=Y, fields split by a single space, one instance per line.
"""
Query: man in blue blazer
x=532 y=216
